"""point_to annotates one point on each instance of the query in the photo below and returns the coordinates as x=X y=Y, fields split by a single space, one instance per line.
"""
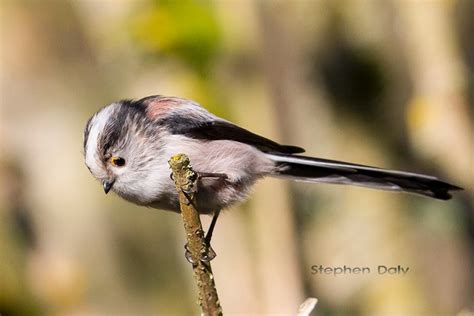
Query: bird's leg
x=202 y=175
x=211 y=227
x=209 y=253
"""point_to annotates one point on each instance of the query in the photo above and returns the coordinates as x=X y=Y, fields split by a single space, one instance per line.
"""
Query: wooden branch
x=307 y=307
x=185 y=180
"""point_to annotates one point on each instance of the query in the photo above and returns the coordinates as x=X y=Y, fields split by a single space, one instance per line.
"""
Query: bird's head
x=119 y=148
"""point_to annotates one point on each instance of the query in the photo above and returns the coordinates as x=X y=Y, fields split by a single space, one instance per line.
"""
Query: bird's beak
x=107 y=185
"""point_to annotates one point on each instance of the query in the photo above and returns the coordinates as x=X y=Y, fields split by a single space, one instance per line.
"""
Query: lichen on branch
x=185 y=180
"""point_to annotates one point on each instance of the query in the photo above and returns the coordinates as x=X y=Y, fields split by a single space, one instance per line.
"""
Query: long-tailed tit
x=127 y=145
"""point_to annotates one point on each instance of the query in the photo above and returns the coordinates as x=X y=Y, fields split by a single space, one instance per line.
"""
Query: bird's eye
x=117 y=161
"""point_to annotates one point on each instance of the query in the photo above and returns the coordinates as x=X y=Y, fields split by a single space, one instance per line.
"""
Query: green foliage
x=186 y=30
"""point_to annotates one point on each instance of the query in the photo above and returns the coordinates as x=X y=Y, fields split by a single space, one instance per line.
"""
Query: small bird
x=127 y=145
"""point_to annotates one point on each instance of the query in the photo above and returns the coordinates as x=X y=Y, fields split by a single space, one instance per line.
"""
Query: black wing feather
x=220 y=130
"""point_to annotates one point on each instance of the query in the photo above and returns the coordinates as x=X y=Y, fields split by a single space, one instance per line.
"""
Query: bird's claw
x=206 y=256
x=187 y=254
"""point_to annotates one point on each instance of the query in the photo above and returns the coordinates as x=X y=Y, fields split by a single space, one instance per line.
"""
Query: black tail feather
x=338 y=172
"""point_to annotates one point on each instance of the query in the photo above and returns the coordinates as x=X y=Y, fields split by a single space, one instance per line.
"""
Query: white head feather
x=96 y=126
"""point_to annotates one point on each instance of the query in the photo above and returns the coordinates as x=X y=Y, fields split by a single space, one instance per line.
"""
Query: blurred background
x=385 y=83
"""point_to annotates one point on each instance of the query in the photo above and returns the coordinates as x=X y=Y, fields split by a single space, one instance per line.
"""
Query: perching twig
x=307 y=307
x=185 y=180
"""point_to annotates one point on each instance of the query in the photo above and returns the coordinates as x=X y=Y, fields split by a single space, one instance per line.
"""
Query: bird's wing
x=218 y=129
x=185 y=117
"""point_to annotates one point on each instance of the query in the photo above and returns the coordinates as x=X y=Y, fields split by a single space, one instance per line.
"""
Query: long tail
x=330 y=171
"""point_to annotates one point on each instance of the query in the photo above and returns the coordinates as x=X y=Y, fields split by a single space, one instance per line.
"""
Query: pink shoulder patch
x=160 y=107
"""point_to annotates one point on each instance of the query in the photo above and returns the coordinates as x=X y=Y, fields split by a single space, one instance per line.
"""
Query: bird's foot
x=206 y=255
